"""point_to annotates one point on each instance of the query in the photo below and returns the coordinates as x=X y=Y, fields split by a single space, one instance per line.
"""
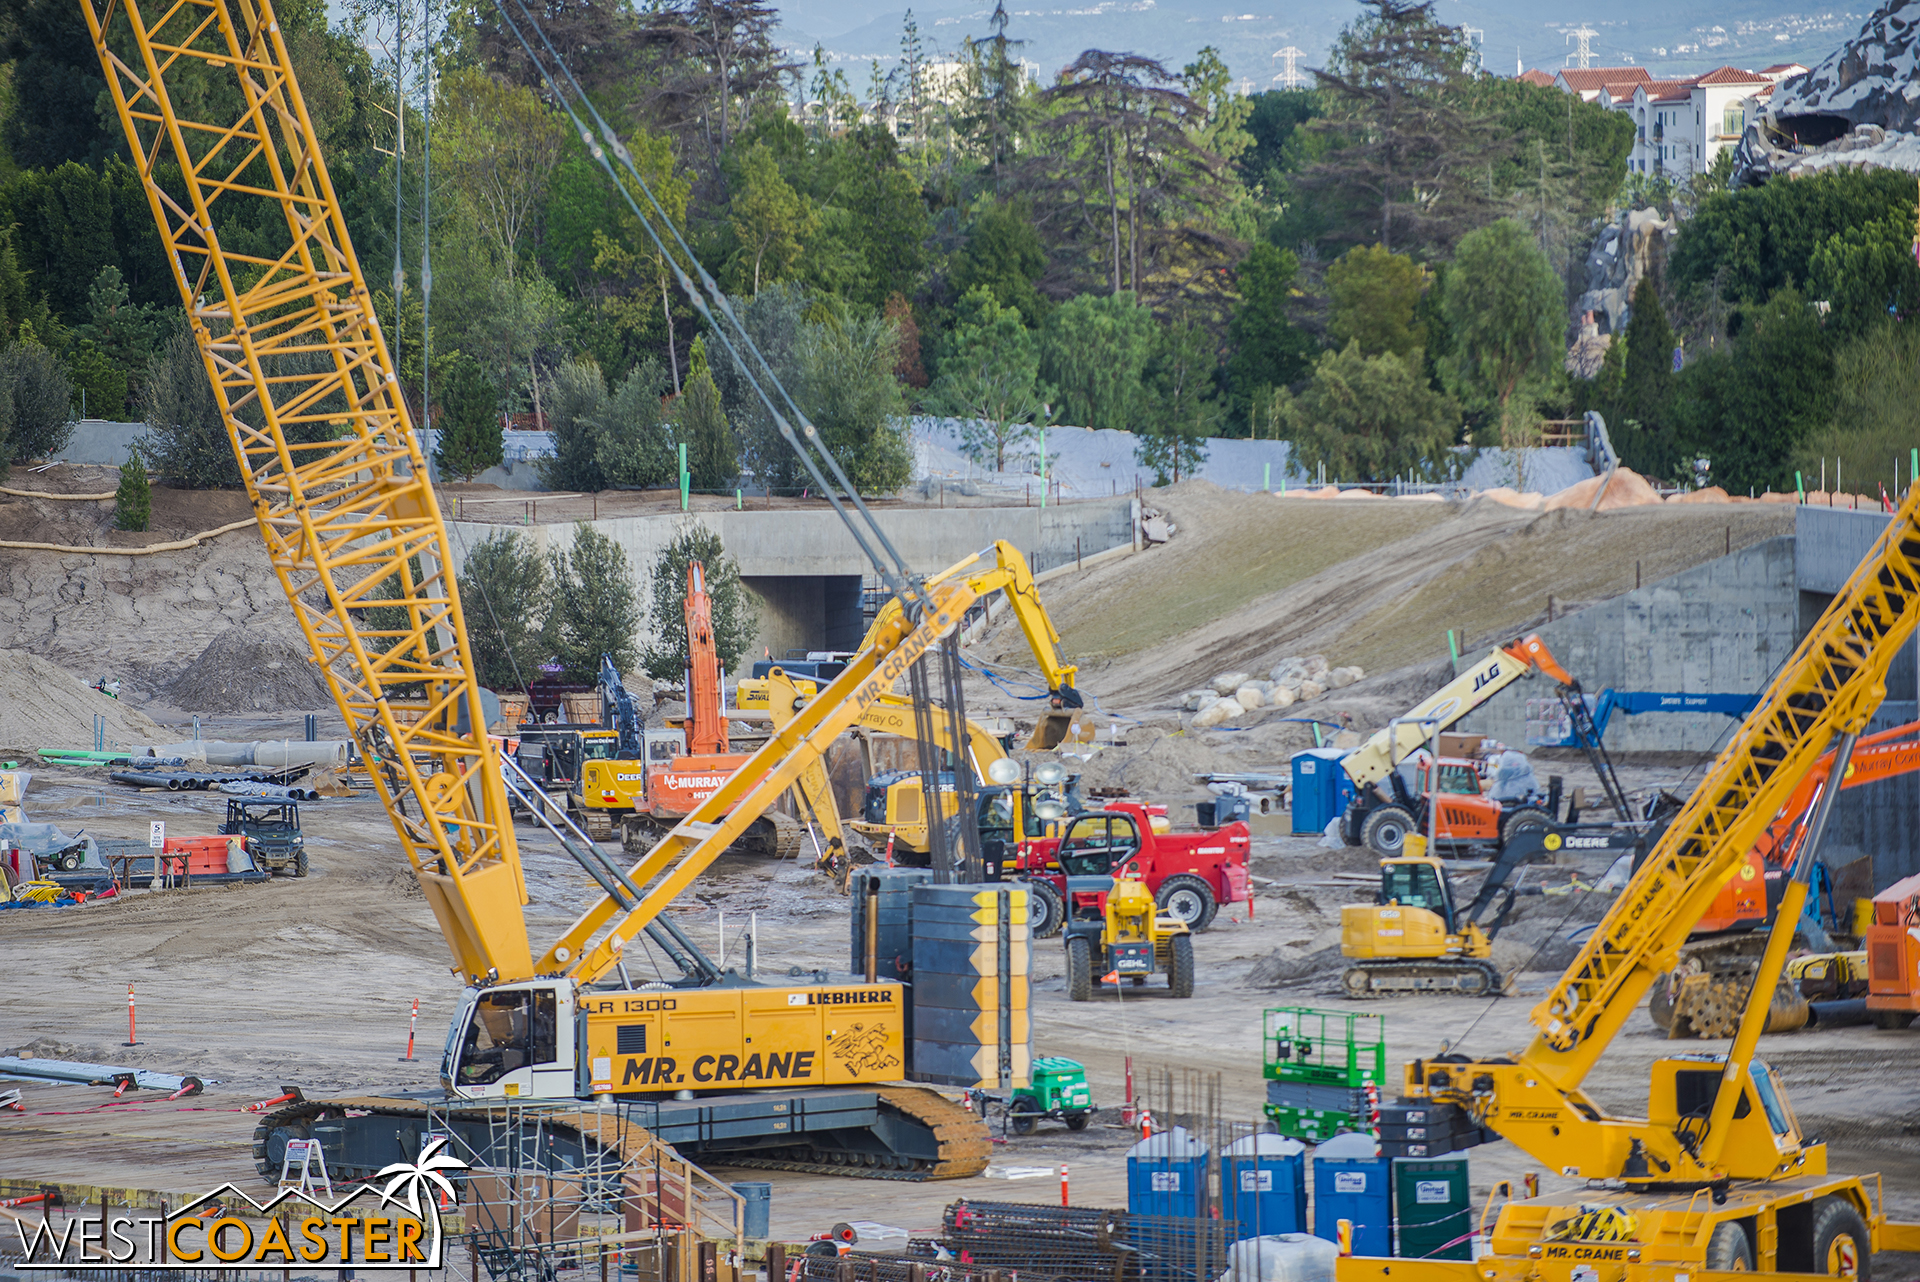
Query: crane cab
x=512 y=1041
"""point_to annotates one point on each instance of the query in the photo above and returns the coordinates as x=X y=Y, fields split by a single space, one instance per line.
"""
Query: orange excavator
x=1702 y=996
x=661 y=776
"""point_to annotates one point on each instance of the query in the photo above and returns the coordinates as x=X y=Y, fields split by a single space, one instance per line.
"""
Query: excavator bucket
x=1061 y=725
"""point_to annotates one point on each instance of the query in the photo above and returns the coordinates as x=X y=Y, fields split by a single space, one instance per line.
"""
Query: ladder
x=310 y=1175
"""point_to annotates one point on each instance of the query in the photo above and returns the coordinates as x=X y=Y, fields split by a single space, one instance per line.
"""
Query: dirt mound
x=245 y=671
x=1286 y=966
x=42 y=705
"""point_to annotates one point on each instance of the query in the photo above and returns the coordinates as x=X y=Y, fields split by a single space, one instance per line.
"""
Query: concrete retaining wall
x=799 y=563
x=1721 y=628
x=98 y=440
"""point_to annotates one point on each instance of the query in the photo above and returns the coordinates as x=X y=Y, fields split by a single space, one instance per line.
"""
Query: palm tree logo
x=410 y=1179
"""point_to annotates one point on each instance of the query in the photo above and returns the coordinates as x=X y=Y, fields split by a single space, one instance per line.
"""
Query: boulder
x=1310 y=690
x=1340 y=678
x=1280 y=697
x=1295 y=668
x=1196 y=700
x=1249 y=696
x=1215 y=713
x=1228 y=682
x=1316 y=667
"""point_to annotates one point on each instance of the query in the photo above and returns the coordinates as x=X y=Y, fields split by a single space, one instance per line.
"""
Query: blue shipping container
x=1263 y=1185
x=1321 y=789
x=1167 y=1175
x=1356 y=1189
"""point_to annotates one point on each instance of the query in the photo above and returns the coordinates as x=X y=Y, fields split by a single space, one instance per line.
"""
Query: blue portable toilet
x=1167 y=1175
x=1321 y=789
x=1352 y=1182
x=1263 y=1185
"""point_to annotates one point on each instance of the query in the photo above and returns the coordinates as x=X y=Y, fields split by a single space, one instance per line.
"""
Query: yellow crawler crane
x=794 y=1074
x=1718 y=1176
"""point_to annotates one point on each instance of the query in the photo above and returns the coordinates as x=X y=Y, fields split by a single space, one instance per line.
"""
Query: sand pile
x=243 y=670
x=42 y=705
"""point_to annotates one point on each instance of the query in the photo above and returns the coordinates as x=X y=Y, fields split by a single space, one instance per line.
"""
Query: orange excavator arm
x=1875 y=757
x=706 y=727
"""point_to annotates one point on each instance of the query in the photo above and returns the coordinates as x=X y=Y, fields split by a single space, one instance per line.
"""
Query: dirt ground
x=310 y=981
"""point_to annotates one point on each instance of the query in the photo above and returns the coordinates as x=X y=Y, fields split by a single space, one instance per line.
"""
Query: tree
x=848 y=389
x=1375 y=299
x=596 y=609
x=715 y=59
x=1866 y=273
x=634 y=448
x=1752 y=410
x=1407 y=154
x=56 y=84
x=775 y=318
x=713 y=460
x=133 y=499
x=772 y=222
x=1647 y=367
x=1746 y=245
x=1269 y=350
x=125 y=333
x=1503 y=306
x=1368 y=418
x=578 y=405
x=469 y=420
x=994 y=114
x=990 y=380
x=498 y=147
x=908 y=369
x=1124 y=165
x=1094 y=354
x=1003 y=255
x=41 y=421
x=1876 y=387
x=736 y=621
x=1179 y=383
x=99 y=385
x=506 y=590
x=186 y=439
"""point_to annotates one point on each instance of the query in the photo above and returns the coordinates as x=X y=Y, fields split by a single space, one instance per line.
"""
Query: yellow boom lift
x=1718 y=1176
x=796 y=1074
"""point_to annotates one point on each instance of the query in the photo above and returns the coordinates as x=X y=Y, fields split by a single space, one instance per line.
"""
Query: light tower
x=1290 y=77
x=1582 y=55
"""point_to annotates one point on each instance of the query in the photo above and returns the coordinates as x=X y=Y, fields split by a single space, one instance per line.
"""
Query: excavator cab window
x=1416 y=885
x=599 y=748
x=509 y=1030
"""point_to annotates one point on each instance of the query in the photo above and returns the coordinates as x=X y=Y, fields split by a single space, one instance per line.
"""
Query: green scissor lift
x=1318 y=1065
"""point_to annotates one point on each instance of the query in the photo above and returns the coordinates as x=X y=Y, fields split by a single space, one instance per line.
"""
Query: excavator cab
x=1418 y=882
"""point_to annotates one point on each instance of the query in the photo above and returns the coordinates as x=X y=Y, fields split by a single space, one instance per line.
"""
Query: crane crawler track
x=1369 y=980
x=962 y=1143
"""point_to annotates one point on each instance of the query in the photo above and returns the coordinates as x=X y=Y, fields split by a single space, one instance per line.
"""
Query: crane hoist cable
x=711 y=302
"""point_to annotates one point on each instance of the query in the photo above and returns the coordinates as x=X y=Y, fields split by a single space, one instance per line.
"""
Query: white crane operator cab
x=512 y=1041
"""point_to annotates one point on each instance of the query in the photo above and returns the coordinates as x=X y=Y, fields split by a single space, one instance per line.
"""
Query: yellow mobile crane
x=336 y=476
x=1718 y=1176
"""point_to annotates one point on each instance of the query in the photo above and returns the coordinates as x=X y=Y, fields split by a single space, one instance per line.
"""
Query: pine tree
x=469 y=422
x=713 y=458
x=133 y=501
x=1649 y=362
x=736 y=619
x=596 y=609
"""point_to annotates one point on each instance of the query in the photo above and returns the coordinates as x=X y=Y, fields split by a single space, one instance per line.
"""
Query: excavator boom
x=706 y=727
